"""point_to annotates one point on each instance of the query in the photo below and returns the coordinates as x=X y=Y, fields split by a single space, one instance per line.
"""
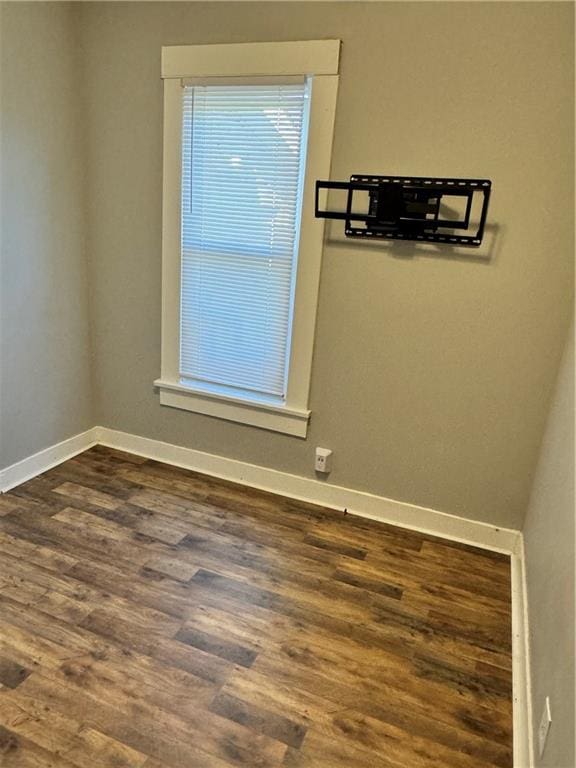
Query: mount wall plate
x=409 y=208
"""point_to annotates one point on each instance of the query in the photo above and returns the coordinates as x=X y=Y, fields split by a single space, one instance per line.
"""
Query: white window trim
x=317 y=58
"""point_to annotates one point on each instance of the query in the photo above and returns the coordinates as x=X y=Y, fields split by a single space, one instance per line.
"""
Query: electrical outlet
x=544 y=726
x=323 y=460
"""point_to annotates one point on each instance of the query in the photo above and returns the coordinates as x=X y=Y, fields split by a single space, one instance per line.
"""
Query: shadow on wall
x=486 y=254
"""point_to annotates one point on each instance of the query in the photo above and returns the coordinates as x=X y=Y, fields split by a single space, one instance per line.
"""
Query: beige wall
x=45 y=378
x=549 y=540
x=431 y=375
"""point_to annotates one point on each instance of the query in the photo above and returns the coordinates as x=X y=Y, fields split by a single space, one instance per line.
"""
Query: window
x=242 y=172
x=247 y=131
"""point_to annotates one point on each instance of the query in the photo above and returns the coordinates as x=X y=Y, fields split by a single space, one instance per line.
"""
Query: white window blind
x=243 y=161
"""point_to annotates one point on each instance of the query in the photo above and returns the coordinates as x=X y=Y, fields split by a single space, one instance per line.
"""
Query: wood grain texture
x=152 y=617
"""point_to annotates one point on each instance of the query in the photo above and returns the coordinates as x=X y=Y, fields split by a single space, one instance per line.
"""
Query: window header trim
x=195 y=82
x=308 y=57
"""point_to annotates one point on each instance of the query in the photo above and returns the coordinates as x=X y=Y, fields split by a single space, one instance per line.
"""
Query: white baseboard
x=360 y=503
x=34 y=465
x=318 y=492
x=521 y=678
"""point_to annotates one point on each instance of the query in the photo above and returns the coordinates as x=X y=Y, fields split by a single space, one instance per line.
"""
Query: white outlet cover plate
x=544 y=726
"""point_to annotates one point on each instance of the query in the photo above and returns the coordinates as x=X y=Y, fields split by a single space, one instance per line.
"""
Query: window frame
x=317 y=59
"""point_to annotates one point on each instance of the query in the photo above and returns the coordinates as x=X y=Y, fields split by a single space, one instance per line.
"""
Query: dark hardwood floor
x=154 y=617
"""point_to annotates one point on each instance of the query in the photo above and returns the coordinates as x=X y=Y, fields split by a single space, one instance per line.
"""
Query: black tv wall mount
x=412 y=208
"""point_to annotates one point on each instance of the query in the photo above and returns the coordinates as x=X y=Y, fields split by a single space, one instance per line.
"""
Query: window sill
x=277 y=418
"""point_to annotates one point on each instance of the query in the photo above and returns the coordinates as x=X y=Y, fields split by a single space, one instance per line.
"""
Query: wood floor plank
x=8 y=504
x=26 y=717
x=260 y=720
x=83 y=493
x=154 y=617
x=133 y=726
x=18 y=752
x=12 y=673
x=52 y=559
x=217 y=646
